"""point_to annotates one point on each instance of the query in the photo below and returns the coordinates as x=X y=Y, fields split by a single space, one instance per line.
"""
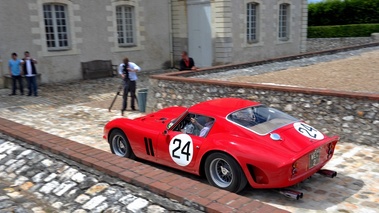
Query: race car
x=230 y=141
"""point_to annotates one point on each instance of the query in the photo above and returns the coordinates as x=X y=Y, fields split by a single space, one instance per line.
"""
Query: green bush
x=343 y=12
x=353 y=30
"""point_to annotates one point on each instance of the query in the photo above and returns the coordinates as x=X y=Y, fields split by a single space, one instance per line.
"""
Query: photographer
x=128 y=70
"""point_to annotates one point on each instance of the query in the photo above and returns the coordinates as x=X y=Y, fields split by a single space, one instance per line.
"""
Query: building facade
x=217 y=32
x=61 y=34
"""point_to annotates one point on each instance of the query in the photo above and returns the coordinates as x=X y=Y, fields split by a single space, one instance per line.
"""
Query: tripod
x=118 y=93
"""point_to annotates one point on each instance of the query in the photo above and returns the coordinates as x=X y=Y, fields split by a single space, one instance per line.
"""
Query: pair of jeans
x=32 y=85
x=129 y=86
x=16 y=78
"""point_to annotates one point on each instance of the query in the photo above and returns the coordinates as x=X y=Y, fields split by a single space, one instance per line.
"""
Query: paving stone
x=39 y=177
x=64 y=187
x=127 y=199
x=21 y=170
x=26 y=186
x=100 y=208
x=137 y=205
x=50 y=177
x=155 y=209
x=67 y=174
x=96 y=189
x=93 y=202
x=24 y=153
x=2 y=156
x=20 y=180
x=49 y=187
x=82 y=198
x=47 y=162
x=78 y=177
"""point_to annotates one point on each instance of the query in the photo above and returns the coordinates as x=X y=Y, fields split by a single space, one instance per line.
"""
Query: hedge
x=343 y=12
x=353 y=30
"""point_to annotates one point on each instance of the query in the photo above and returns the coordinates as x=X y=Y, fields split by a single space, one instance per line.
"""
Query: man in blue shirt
x=14 y=65
x=128 y=70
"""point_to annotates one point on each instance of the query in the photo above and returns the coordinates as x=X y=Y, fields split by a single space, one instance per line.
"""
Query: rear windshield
x=261 y=119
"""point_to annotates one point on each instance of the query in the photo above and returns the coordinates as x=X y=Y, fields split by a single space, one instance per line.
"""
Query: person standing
x=128 y=71
x=187 y=63
x=14 y=65
x=30 y=73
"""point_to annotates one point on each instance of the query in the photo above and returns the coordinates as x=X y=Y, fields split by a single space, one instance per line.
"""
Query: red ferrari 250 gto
x=229 y=140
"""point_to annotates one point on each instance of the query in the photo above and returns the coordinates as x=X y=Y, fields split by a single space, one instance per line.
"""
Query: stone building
x=63 y=33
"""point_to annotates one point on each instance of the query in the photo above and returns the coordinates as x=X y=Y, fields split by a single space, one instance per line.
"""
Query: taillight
x=330 y=149
x=294 y=169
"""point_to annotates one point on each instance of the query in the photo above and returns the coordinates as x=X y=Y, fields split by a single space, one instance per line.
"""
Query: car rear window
x=260 y=119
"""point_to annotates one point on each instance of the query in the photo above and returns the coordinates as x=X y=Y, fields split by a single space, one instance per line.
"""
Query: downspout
x=170 y=34
x=304 y=26
x=2 y=80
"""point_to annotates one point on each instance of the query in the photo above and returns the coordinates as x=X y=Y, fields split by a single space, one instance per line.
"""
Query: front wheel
x=119 y=144
x=224 y=172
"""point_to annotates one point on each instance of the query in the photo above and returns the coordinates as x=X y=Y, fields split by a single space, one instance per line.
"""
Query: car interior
x=185 y=125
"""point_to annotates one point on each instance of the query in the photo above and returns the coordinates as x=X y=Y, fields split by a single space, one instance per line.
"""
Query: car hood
x=162 y=117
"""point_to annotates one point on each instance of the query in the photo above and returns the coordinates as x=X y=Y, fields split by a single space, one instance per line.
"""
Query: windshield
x=173 y=121
x=261 y=119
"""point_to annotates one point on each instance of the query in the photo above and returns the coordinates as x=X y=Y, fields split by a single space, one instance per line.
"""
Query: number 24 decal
x=181 y=149
x=185 y=150
x=308 y=131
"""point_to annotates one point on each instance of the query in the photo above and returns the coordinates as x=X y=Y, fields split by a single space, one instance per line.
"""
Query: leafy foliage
x=343 y=12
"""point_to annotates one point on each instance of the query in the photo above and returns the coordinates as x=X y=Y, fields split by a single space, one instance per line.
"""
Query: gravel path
x=355 y=71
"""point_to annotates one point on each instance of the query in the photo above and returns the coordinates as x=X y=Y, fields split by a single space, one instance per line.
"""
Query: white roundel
x=181 y=149
x=308 y=131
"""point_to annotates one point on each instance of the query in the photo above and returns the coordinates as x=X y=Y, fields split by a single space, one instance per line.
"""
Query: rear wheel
x=119 y=144
x=224 y=172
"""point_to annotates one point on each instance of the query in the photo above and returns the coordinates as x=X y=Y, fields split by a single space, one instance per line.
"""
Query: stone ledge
x=8 y=80
x=136 y=173
x=355 y=95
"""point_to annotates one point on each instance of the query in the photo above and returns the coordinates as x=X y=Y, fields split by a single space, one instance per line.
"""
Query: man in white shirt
x=204 y=129
x=128 y=70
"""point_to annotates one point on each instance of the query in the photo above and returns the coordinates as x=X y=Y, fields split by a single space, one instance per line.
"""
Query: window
x=261 y=119
x=284 y=22
x=125 y=25
x=56 y=29
x=251 y=28
x=194 y=124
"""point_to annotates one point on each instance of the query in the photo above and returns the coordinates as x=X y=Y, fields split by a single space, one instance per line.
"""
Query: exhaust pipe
x=291 y=193
x=327 y=173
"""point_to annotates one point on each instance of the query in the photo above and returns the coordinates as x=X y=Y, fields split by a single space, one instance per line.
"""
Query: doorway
x=200 y=46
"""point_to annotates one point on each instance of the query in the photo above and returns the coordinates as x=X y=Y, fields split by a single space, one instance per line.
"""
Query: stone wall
x=354 y=117
x=321 y=44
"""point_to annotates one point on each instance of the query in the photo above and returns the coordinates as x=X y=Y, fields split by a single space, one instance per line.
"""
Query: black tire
x=119 y=144
x=224 y=172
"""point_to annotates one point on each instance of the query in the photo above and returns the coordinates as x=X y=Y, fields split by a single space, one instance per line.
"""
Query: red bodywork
x=266 y=163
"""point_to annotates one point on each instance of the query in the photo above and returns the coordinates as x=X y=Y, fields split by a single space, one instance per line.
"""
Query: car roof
x=221 y=106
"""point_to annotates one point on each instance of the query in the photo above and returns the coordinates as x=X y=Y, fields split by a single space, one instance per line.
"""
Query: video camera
x=125 y=70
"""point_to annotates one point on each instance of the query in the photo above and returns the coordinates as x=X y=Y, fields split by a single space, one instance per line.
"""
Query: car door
x=178 y=149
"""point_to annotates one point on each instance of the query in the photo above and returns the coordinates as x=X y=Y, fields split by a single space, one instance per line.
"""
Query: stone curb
x=188 y=192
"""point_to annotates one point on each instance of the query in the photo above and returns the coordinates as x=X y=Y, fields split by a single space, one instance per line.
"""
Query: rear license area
x=314 y=158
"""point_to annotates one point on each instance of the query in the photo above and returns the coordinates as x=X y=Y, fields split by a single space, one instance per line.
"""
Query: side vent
x=149 y=146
